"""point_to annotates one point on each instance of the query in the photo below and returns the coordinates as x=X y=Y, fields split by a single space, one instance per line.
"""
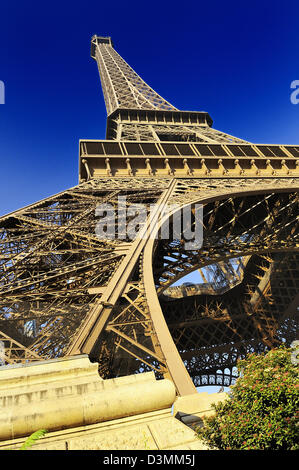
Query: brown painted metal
x=64 y=291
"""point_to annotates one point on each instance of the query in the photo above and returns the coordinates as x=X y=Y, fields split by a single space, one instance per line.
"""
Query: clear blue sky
x=233 y=60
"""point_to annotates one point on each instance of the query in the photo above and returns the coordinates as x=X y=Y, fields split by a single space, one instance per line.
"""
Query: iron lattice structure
x=65 y=291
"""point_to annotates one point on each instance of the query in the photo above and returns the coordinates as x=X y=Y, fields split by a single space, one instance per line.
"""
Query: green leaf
x=30 y=441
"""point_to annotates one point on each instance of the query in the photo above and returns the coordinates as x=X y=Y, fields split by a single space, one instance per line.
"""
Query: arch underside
x=248 y=307
x=212 y=331
x=49 y=290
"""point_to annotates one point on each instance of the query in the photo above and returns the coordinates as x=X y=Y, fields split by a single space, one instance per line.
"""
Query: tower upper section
x=147 y=136
x=122 y=87
x=136 y=112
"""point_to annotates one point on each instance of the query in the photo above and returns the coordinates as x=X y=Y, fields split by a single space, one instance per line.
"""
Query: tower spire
x=122 y=87
x=130 y=101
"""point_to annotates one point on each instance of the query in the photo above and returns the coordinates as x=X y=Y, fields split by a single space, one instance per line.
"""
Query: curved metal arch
x=174 y=362
x=231 y=251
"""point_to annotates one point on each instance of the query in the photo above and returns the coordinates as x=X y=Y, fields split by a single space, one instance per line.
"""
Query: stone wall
x=81 y=411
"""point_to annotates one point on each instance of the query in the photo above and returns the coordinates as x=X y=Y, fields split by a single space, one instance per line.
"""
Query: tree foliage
x=262 y=409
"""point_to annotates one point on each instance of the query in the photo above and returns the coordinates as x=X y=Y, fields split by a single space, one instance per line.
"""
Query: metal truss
x=64 y=290
x=170 y=132
x=122 y=87
x=212 y=331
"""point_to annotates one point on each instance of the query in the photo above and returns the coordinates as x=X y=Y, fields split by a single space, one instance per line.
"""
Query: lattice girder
x=136 y=330
x=52 y=263
x=122 y=87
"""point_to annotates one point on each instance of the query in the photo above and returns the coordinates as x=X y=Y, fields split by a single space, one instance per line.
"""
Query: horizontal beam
x=100 y=158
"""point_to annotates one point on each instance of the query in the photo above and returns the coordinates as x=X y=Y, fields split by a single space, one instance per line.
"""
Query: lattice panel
x=249 y=317
x=122 y=87
x=52 y=265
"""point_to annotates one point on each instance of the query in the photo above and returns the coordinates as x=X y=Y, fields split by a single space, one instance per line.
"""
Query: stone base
x=81 y=411
x=192 y=408
x=151 y=431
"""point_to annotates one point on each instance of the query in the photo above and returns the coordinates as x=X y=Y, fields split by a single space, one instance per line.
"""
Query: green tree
x=262 y=409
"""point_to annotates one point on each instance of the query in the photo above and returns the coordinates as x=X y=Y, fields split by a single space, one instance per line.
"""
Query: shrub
x=262 y=409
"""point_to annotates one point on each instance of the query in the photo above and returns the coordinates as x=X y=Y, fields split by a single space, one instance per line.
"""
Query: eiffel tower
x=65 y=290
